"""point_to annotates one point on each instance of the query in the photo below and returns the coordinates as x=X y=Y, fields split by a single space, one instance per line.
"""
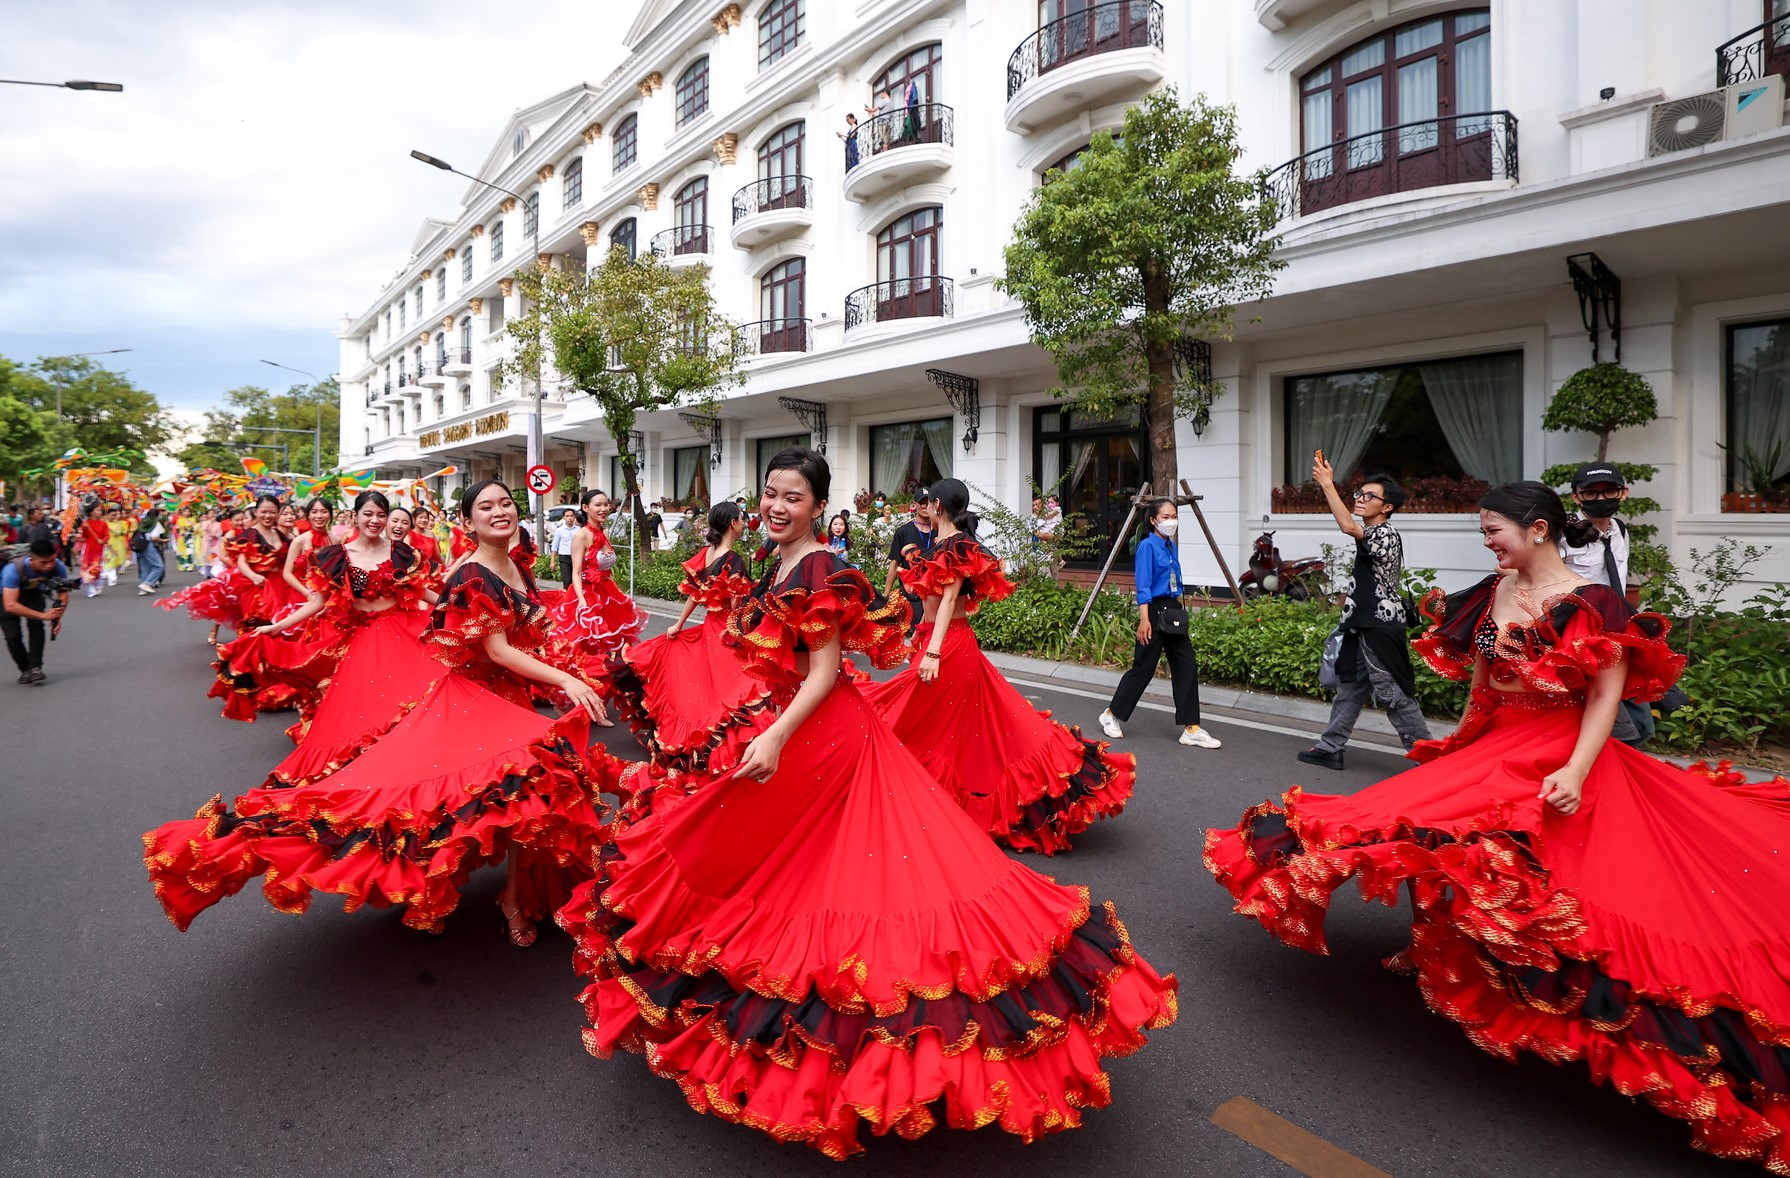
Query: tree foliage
x=637 y=335
x=1600 y=400
x=237 y=430
x=1152 y=238
x=101 y=410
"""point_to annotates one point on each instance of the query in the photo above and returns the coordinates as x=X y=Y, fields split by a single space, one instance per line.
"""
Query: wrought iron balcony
x=772 y=335
x=1450 y=149
x=905 y=126
x=924 y=296
x=1103 y=28
x=1755 y=53
x=777 y=192
x=403 y=379
x=388 y=388
x=683 y=239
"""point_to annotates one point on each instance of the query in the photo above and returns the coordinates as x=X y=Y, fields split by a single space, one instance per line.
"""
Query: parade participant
x=236 y=585
x=149 y=541
x=1161 y=631
x=1374 y=661
x=1571 y=897
x=34 y=594
x=211 y=541
x=688 y=699
x=94 y=535
x=1025 y=779
x=313 y=536
x=375 y=665
x=565 y=534
x=258 y=553
x=470 y=774
x=594 y=618
x=911 y=539
x=822 y=938
x=118 y=544
x=422 y=539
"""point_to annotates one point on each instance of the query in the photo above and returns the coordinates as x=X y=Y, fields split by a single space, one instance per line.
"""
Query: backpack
x=139 y=542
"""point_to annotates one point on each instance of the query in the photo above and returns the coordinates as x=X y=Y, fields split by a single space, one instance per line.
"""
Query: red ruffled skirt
x=1025 y=779
x=274 y=673
x=842 y=946
x=215 y=599
x=607 y=622
x=383 y=671
x=454 y=785
x=1644 y=934
x=688 y=699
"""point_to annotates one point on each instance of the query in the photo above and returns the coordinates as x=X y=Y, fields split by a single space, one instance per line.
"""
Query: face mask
x=1600 y=508
x=1168 y=527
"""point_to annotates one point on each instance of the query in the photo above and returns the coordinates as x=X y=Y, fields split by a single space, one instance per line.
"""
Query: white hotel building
x=1439 y=163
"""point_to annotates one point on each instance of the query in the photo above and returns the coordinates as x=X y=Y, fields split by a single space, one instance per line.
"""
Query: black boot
x=1318 y=756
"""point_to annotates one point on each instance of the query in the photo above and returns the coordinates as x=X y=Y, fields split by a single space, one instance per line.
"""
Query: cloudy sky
x=252 y=183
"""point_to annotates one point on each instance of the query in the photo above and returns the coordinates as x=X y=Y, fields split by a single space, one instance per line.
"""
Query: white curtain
x=1479 y=402
x=1338 y=415
x=889 y=462
x=1365 y=112
x=938 y=443
x=1472 y=84
x=1316 y=121
x=1417 y=99
x=1759 y=395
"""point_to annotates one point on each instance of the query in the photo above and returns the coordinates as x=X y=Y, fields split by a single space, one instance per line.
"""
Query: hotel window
x=419 y=300
x=780 y=27
x=1758 y=396
x=531 y=214
x=572 y=192
x=466 y=262
x=919 y=67
x=690 y=214
x=766 y=449
x=690 y=476
x=623 y=237
x=441 y=285
x=402 y=314
x=907 y=259
x=625 y=147
x=496 y=241
x=909 y=455
x=693 y=91
x=1459 y=419
x=780 y=167
x=466 y=340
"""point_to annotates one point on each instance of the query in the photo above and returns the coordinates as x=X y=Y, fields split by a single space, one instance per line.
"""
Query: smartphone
x=1320 y=455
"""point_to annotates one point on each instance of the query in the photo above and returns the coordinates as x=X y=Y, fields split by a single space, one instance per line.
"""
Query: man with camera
x=26 y=586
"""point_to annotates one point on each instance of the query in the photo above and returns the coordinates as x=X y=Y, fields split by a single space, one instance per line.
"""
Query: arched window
x=572 y=191
x=623 y=237
x=419 y=361
x=780 y=167
x=690 y=211
x=531 y=214
x=441 y=284
x=441 y=355
x=419 y=300
x=781 y=24
x=625 y=147
x=921 y=67
x=783 y=307
x=496 y=236
x=692 y=91
x=466 y=340
x=466 y=262
x=1396 y=108
x=907 y=262
x=402 y=314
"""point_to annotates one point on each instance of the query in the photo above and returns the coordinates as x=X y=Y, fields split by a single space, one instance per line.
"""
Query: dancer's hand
x=257 y=579
x=761 y=757
x=675 y=627
x=929 y=667
x=1562 y=788
x=583 y=695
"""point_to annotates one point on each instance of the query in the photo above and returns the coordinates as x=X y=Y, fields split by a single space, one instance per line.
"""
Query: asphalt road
x=332 y=1044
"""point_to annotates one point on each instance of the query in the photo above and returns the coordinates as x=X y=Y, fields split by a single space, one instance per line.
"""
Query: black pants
x=1183 y=672
x=24 y=640
x=565 y=571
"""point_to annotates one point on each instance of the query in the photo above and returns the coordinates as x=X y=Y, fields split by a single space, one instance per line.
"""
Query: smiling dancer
x=593 y=618
x=823 y=939
x=1571 y=897
x=1027 y=780
x=469 y=775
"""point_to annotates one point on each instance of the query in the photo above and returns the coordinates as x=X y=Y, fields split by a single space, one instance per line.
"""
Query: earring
x=1539 y=539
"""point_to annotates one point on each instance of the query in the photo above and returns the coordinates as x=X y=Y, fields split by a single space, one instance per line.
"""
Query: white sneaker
x=142 y=589
x=1198 y=737
x=1109 y=724
x=90 y=589
x=111 y=576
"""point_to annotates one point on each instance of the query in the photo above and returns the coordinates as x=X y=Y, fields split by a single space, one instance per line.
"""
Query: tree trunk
x=1603 y=446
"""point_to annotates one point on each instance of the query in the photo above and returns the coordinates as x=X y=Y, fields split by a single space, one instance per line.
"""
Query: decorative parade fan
x=1686 y=122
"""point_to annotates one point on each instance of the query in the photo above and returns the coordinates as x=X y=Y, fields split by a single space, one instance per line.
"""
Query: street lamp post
x=317 y=439
x=535 y=442
x=76 y=84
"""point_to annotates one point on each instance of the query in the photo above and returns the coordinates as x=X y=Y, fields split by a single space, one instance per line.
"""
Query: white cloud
x=254 y=174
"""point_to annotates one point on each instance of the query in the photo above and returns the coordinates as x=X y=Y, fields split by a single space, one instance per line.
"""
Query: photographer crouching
x=27 y=585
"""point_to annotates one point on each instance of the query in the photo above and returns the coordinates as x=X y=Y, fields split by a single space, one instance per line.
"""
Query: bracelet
x=932 y=654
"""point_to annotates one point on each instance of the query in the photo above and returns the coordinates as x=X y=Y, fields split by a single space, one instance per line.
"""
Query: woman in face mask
x=1161 y=630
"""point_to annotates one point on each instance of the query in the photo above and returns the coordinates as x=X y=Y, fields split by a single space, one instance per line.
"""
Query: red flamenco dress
x=688 y=698
x=233 y=600
x=840 y=945
x=467 y=774
x=1025 y=779
x=1642 y=934
x=378 y=667
x=277 y=672
x=608 y=620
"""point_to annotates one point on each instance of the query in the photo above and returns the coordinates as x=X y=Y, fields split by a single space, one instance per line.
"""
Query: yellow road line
x=1307 y=1153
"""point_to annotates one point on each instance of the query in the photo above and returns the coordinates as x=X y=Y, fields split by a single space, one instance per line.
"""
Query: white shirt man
x=1599 y=490
x=564 y=534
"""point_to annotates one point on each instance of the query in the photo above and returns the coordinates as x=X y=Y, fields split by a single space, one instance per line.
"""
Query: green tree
x=215 y=447
x=100 y=410
x=1152 y=239
x=636 y=335
x=24 y=445
x=1600 y=400
x=237 y=430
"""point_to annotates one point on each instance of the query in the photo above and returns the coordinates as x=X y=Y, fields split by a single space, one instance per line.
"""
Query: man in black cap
x=1599 y=490
x=911 y=539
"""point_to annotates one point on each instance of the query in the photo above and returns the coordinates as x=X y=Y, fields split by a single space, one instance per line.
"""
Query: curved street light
x=316 y=434
x=75 y=84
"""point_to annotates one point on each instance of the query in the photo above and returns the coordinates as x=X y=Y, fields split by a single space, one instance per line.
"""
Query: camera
x=60 y=585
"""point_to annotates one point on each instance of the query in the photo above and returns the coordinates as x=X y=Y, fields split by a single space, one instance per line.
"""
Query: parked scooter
x=1269 y=574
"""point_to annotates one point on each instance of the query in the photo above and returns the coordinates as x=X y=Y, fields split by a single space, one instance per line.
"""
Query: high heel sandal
x=522 y=937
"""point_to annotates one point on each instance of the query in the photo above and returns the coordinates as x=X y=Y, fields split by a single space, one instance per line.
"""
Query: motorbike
x=1269 y=573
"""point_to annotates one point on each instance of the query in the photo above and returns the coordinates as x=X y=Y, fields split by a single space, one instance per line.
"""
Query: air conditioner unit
x=1745 y=108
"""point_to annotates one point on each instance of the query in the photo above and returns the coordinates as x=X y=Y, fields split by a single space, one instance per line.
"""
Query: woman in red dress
x=95 y=532
x=469 y=774
x=689 y=700
x=1571 y=896
x=594 y=619
x=1025 y=779
x=275 y=669
x=422 y=539
x=822 y=938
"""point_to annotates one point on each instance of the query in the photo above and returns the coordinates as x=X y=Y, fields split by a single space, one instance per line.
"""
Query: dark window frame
x=781 y=26
x=692 y=92
x=496 y=236
x=1733 y=478
x=571 y=185
x=895 y=75
x=690 y=216
x=626 y=233
x=624 y=148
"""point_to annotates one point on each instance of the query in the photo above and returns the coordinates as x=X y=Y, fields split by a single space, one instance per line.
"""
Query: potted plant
x=1600 y=400
x=1764 y=492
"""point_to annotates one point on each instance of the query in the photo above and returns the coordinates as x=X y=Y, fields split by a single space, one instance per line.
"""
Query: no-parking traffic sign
x=541 y=479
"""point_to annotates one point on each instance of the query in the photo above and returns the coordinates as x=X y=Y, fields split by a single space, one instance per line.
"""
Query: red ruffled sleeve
x=474 y=605
x=823 y=599
x=718 y=587
x=1447 y=643
x=1600 y=629
x=959 y=558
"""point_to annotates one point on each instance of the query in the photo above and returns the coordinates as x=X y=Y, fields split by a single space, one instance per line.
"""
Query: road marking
x=1280 y=1138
